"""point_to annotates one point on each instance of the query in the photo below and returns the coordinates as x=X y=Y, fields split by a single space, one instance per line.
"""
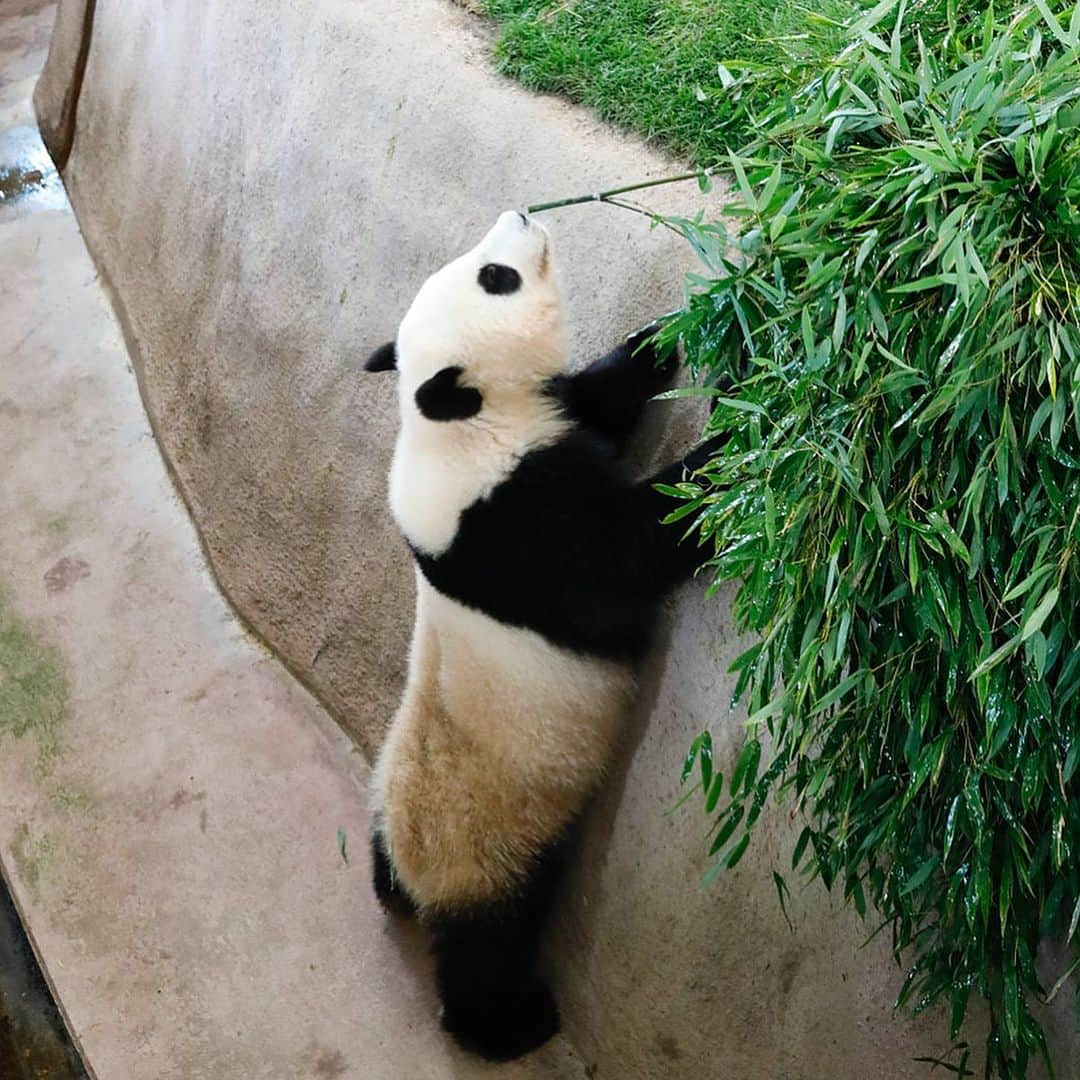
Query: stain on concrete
x=789 y=966
x=16 y=181
x=33 y=684
x=182 y=797
x=179 y=799
x=669 y=1047
x=9 y=408
x=326 y=1064
x=64 y=573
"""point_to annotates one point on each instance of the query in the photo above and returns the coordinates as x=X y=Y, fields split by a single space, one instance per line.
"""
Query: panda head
x=484 y=331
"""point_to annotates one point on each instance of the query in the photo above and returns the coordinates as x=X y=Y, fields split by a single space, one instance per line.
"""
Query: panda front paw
x=658 y=372
x=704 y=452
x=511 y=1026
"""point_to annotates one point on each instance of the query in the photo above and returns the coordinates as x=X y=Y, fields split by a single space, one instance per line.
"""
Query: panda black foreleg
x=674 y=559
x=609 y=396
x=494 y=1004
x=388 y=891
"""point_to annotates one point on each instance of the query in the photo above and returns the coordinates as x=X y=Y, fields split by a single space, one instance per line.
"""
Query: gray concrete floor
x=170 y=798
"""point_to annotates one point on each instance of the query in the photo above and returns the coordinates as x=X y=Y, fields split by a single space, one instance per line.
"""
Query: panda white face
x=486 y=325
x=475 y=354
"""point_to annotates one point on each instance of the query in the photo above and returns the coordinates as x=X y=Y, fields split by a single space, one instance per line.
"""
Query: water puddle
x=28 y=178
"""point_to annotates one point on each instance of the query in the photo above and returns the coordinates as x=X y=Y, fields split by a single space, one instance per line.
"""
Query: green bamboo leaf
x=745 y=189
x=808 y=335
x=865 y=248
x=737 y=852
x=691 y=758
x=727 y=829
x=782 y=893
x=715 y=790
x=839 y=321
x=1033 y=578
x=745 y=772
x=1038 y=616
x=933 y=281
x=705 y=761
x=996 y=657
x=920 y=876
x=1068 y=39
x=837 y=692
x=740 y=405
x=878 y=506
x=800 y=847
x=951 y=822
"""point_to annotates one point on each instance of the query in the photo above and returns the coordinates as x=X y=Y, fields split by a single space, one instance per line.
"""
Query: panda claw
x=388 y=891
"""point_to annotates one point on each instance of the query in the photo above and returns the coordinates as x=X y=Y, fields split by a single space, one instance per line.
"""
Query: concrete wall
x=265 y=186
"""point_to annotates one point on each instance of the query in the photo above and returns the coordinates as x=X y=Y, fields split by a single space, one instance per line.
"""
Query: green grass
x=656 y=66
x=33 y=684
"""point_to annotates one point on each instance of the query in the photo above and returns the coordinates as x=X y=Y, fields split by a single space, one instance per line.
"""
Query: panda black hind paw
x=508 y=1028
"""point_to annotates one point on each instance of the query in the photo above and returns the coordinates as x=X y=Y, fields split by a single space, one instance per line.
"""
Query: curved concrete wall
x=266 y=185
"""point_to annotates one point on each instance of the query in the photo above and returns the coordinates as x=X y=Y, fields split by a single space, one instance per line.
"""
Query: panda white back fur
x=540 y=566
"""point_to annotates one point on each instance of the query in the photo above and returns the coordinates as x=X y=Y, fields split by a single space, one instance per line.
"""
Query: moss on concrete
x=33 y=856
x=58 y=526
x=74 y=800
x=33 y=684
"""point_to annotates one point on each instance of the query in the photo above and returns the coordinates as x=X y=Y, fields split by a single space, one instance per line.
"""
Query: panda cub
x=540 y=565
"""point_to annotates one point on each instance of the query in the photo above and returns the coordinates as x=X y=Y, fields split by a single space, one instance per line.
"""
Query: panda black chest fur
x=546 y=550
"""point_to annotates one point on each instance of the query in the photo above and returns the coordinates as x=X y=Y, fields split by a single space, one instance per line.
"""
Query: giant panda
x=540 y=565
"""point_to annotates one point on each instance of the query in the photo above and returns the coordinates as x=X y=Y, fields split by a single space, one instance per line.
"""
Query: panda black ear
x=384 y=358
x=441 y=398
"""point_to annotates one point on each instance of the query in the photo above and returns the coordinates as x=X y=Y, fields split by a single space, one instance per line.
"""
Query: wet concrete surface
x=34 y=1044
x=27 y=171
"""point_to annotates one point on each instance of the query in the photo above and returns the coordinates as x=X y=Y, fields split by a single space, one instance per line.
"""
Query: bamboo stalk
x=605 y=196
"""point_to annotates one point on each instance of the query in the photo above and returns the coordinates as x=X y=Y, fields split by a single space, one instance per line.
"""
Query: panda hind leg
x=388 y=890
x=494 y=1004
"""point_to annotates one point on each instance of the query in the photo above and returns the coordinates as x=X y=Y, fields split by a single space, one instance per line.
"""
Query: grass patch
x=663 y=67
x=33 y=684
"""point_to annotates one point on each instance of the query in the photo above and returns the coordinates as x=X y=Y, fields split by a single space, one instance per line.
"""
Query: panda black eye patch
x=441 y=398
x=499 y=280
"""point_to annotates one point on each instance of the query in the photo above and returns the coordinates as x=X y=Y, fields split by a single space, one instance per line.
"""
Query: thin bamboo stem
x=607 y=196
